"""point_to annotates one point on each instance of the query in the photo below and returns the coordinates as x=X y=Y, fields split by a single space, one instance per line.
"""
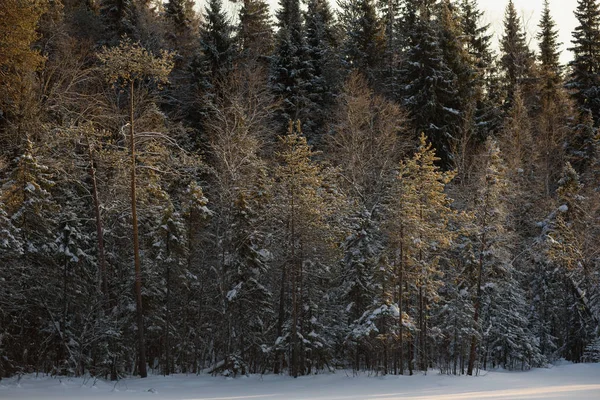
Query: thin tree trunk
x=168 y=311
x=99 y=229
x=410 y=341
x=276 y=367
x=400 y=301
x=473 y=351
x=294 y=341
x=136 y=249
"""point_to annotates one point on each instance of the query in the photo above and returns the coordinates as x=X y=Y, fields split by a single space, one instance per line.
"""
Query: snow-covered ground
x=581 y=382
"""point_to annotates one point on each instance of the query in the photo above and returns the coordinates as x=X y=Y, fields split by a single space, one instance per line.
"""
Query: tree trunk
x=276 y=367
x=99 y=230
x=168 y=310
x=473 y=351
x=400 y=302
x=136 y=249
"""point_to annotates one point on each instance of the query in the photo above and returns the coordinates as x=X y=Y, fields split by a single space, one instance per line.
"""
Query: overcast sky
x=530 y=12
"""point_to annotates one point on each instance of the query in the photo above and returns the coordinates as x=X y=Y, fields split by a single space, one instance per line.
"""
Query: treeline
x=372 y=188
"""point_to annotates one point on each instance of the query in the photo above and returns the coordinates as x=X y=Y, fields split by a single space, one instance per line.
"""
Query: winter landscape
x=366 y=199
x=573 y=381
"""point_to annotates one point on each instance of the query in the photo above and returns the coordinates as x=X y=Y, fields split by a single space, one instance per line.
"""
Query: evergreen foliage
x=583 y=79
x=431 y=205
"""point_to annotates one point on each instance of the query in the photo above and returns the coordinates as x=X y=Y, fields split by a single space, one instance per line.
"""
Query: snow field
x=579 y=381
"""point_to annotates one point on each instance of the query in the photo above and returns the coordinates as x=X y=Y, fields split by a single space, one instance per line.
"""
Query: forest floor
x=567 y=381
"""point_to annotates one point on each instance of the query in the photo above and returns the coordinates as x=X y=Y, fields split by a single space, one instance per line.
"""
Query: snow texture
x=567 y=381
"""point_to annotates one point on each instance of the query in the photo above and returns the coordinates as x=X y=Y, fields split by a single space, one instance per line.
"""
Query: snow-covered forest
x=365 y=185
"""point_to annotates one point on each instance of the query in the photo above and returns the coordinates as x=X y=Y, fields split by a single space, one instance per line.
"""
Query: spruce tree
x=217 y=49
x=478 y=46
x=430 y=87
x=566 y=250
x=548 y=43
x=289 y=65
x=364 y=39
x=516 y=58
x=362 y=251
x=584 y=79
x=120 y=17
x=255 y=31
x=180 y=13
x=468 y=80
x=322 y=76
x=33 y=286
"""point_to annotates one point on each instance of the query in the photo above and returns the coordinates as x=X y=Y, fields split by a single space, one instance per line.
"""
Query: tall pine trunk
x=136 y=249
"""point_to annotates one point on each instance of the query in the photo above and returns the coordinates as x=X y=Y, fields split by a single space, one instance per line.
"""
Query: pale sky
x=529 y=11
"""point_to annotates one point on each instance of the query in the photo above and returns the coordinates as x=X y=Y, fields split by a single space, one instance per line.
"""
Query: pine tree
x=491 y=247
x=130 y=64
x=18 y=62
x=419 y=228
x=585 y=66
x=303 y=202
